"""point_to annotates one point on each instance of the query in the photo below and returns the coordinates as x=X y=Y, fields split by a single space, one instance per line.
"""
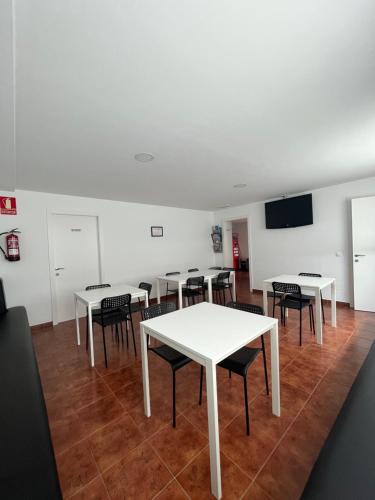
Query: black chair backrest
x=193 y=270
x=145 y=286
x=251 y=308
x=228 y=269
x=115 y=303
x=95 y=287
x=221 y=277
x=286 y=288
x=158 y=310
x=215 y=267
x=313 y=275
x=172 y=273
x=196 y=281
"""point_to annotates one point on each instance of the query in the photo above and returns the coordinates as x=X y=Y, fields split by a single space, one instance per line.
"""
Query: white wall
x=129 y=253
x=240 y=227
x=7 y=95
x=310 y=248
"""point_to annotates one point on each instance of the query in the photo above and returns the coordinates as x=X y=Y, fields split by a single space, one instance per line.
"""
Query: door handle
x=359 y=255
x=59 y=268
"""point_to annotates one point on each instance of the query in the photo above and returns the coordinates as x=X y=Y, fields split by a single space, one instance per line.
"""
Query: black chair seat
x=109 y=318
x=171 y=356
x=304 y=298
x=293 y=303
x=190 y=292
x=239 y=361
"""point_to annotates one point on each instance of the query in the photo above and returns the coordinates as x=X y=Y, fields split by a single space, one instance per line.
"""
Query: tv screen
x=289 y=212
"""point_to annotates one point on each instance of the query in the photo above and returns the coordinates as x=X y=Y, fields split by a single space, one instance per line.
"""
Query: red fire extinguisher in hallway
x=236 y=252
x=12 y=245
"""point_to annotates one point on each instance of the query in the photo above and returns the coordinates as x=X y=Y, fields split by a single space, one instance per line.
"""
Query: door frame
x=249 y=243
x=51 y=252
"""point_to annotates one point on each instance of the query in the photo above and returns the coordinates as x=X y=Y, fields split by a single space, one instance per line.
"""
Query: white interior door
x=363 y=216
x=76 y=260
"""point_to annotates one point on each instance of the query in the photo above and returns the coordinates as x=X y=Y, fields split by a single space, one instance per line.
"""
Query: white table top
x=302 y=281
x=94 y=297
x=209 y=330
x=181 y=278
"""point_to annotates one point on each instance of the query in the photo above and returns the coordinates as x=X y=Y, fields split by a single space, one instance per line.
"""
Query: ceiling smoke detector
x=239 y=185
x=144 y=157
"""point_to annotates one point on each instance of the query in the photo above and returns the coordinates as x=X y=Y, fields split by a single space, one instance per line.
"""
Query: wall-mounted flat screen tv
x=289 y=212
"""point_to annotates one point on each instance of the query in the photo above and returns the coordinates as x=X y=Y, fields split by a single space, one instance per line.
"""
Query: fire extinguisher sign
x=8 y=205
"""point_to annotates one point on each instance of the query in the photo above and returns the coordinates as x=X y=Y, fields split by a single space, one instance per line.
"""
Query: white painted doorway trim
x=249 y=242
x=51 y=252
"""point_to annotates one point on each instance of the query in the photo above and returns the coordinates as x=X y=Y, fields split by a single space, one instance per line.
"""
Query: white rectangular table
x=306 y=283
x=208 y=333
x=92 y=299
x=180 y=280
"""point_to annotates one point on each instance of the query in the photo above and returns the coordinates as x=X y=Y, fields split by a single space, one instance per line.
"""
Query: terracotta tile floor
x=106 y=448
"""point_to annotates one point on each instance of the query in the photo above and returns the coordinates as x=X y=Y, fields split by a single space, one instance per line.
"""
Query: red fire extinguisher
x=12 y=246
x=236 y=252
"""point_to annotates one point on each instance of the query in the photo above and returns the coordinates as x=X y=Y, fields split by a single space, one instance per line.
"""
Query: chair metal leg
x=265 y=365
x=122 y=334
x=310 y=317
x=132 y=327
x=273 y=306
x=174 y=398
x=246 y=406
x=117 y=335
x=201 y=386
x=300 y=327
x=127 y=333
x=229 y=374
x=321 y=301
x=105 y=348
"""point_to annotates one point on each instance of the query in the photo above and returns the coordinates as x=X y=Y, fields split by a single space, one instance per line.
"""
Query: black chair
x=175 y=359
x=193 y=270
x=217 y=268
x=173 y=291
x=115 y=310
x=220 y=285
x=309 y=297
x=194 y=288
x=94 y=312
x=292 y=299
x=228 y=269
x=240 y=361
x=141 y=304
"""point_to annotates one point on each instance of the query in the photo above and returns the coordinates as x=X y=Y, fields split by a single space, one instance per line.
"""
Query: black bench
x=345 y=468
x=27 y=462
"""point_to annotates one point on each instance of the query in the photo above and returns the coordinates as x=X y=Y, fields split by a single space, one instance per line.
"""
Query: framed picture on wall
x=157 y=231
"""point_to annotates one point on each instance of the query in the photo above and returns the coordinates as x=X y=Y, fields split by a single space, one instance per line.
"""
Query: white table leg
x=213 y=429
x=145 y=376
x=91 y=337
x=333 y=303
x=234 y=286
x=180 y=296
x=209 y=288
x=77 y=321
x=265 y=301
x=318 y=317
x=157 y=291
x=275 y=371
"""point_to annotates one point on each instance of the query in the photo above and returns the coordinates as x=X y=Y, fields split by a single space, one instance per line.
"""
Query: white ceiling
x=276 y=94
